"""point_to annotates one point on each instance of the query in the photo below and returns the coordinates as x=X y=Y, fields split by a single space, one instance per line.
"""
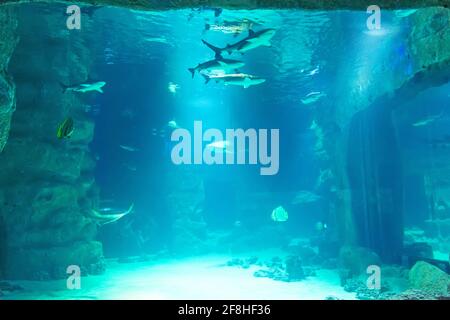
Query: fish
x=157 y=40
x=218 y=65
x=128 y=148
x=85 y=87
x=236 y=79
x=303 y=197
x=252 y=41
x=230 y=27
x=404 y=13
x=173 y=87
x=312 y=97
x=279 y=214
x=441 y=142
x=172 y=124
x=314 y=72
x=220 y=146
x=103 y=219
x=321 y=226
x=65 y=129
x=427 y=120
x=130 y=167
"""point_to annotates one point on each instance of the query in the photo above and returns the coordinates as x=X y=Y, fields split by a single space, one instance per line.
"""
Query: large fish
x=428 y=120
x=237 y=79
x=218 y=65
x=103 y=219
x=85 y=87
x=252 y=41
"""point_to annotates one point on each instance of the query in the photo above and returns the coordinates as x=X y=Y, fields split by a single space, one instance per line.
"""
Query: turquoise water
x=359 y=168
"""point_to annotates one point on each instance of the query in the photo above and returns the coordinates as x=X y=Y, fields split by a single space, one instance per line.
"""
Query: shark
x=236 y=79
x=428 y=120
x=85 y=87
x=218 y=65
x=106 y=218
x=252 y=41
x=220 y=146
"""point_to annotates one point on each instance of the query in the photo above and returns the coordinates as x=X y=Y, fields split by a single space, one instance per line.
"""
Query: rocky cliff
x=47 y=184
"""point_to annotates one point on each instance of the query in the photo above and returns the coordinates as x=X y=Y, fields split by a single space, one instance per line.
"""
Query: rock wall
x=7 y=91
x=428 y=48
x=46 y=184
x=254 y=4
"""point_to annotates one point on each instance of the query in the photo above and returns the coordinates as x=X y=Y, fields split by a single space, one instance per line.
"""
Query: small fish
x=157 y=40
x=320 y=226
x=128 y=148
x=103 y=219
x=314 y=72
x=173 y=87
x=220 y=146
x=65 y=129
x=304 y=197
x=279 y=214
x=173 y=124
x=130 y=167
x=313 y=97
x=85 y=87
x=230 y=27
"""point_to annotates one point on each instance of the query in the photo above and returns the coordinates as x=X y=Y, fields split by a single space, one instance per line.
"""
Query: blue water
x=144 y=58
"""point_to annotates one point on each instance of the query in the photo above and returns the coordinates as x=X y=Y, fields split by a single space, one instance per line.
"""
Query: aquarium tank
x=171 y=150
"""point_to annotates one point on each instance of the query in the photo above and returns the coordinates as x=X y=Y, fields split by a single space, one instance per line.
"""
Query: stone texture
x=354 y=260
x=46 y=184
x=256 y=4
x=7 y=89
x=428 y=278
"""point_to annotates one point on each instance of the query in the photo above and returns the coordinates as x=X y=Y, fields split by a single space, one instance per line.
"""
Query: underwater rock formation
x=353 y=261
x=429 y=52
x=185 y=199
x=254 y=4
x=7 y=89
x=428 y=278
x=47 y=184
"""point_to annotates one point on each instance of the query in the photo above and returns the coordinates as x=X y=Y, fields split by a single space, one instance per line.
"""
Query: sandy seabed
x=201 y=278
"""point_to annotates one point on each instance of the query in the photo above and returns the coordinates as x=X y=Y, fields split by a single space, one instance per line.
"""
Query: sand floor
x=201 y=278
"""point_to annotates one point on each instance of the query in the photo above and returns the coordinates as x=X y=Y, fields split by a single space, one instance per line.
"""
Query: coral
x=428 y=278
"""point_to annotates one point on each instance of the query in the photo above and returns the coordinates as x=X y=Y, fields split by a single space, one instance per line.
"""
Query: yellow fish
x=65 y=129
